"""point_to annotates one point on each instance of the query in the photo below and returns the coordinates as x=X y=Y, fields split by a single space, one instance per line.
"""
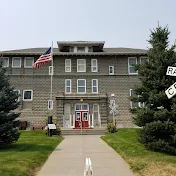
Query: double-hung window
x=5 y=62
x=94 y=85
x=16 y=62
x=28 y=62
x=131 y=62
x=81 y=65
x=27 y=95
x=68 y=86
x=67 y=65
x=94 y=67
x=80 y=49
x=132 y=103
x=81 y=86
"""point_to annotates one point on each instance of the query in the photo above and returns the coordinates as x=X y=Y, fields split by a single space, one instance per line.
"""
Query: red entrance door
x=81 y=119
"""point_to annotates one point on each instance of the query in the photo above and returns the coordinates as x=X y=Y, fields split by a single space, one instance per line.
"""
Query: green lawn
x=143 y=162
x=25 y=157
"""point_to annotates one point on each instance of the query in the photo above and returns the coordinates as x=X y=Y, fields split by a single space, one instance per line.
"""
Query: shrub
x=111 y=128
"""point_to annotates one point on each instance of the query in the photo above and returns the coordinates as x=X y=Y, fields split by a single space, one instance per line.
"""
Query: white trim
x=112 y=70
x=95 y=86
x=81 y=86
x=81 y=104
x=31 y=95
x=131 y=66
x=25 y=62
x=16 y=66
x=68 y=86
x=81 y=64
x=92 y=66
x=66 y=66
x=7 y=61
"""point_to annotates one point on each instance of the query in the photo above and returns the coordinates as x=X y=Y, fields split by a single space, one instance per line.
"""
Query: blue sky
x=120 y=23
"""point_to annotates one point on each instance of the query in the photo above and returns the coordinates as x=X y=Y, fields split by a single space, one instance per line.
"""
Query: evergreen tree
x=158 y=115
x=8 y=103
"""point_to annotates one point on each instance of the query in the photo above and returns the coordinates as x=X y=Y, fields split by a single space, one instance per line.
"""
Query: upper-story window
x=28 y=62
x=71 y=49
x=94 y=65
x=111 y=70
x=67 y=65
x=81 y=65
x=81 y=86
x=94 y=85
x=16 y=62
x=5 y=62
x=80 y=49
x=90 y=49
x=68 y=86
x=131 y=62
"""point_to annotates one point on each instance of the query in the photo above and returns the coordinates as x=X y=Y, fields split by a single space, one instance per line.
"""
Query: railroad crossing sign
x=112 y=104
x=171 y=91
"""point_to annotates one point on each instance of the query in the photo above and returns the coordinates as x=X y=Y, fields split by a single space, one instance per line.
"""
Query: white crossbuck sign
x=113 y=107
x=171 y=91
x=88 y=168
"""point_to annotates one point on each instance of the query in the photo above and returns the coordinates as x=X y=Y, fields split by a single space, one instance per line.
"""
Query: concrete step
x=97 y=131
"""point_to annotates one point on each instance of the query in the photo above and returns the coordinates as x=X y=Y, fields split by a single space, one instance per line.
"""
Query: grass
x=142 y=161
x=25 y=157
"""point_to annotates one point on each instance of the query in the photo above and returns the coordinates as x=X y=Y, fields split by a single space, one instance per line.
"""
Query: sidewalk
x=69 y=158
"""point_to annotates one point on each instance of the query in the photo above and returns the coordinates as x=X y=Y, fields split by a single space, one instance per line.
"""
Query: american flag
x=45 y=57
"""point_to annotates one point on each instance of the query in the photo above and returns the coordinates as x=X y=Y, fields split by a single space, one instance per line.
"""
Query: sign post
x=113 y=106
x=88 y=170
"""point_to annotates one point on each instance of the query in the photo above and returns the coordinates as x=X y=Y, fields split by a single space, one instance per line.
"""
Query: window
x=133 y=104
x=68 y=86
x=27 y=95
x=67 y=65
x=81 y=86
x=5 y=62
x=28 y=62
x=16 y=62
x=111 y=70
x=94 y=85
x=131 y=62
x=81 y=65
x=94 y=65
x=18 y=93
x=71 y=49
x=90 y=49
x=80 y=49
x=143 y=60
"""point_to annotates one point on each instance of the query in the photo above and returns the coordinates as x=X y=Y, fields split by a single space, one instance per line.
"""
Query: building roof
x=106 y=51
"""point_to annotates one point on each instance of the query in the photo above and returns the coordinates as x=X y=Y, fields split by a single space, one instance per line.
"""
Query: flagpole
x=51 y=89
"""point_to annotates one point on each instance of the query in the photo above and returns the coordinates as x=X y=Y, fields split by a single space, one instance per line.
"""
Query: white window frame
x=68 y=86
x=25 y=66
x=16 y=66
x=81 y=86
x=131 y=66
x=18 y=94
x=144 y=57
x=112 y=70
x=7 y=61
x=92 y=66
x=31 y=94
x=132 y=101
x=81 y=64
x=66 y=66
x=95 y=86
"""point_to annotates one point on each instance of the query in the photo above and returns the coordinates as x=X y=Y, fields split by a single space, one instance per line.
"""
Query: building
x=86 y=76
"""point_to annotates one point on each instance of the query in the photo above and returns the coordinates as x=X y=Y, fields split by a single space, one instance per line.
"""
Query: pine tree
x=158 y=115
x=8 y=103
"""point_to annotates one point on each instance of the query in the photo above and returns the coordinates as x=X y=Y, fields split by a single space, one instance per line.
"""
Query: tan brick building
x=85 y=76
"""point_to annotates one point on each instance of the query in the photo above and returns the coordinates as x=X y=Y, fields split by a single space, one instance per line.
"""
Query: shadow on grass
x=25 y=147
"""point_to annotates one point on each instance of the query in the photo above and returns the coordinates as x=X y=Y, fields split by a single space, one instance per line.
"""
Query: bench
x=38 y=127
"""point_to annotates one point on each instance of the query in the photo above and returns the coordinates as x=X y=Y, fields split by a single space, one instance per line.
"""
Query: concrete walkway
x=69 y=158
